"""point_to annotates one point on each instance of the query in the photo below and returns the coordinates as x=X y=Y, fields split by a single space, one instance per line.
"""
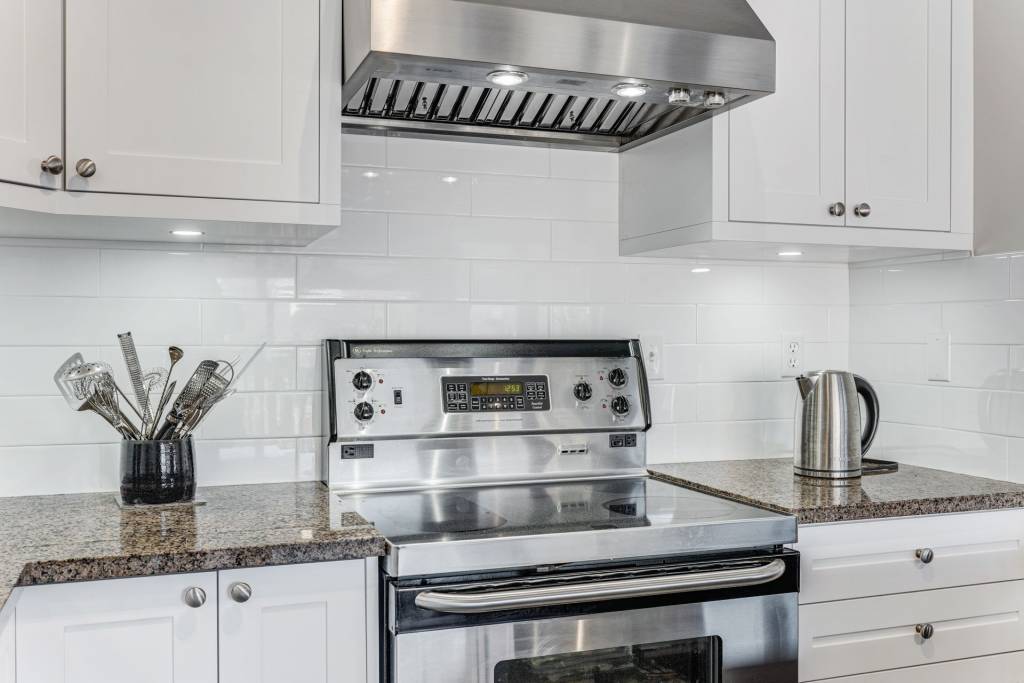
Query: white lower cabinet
x=297 y=623
x=306 y=623
x=119 y=631
x=936 y=598
x=1008 y=668
x=8 y=630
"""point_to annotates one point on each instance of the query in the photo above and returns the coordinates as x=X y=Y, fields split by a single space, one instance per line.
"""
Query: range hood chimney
x=597 y=74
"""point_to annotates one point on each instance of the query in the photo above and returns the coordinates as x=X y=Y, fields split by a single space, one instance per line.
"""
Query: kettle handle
x=865 y=389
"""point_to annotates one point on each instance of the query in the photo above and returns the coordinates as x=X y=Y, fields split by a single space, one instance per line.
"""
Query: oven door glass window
x=695 y=660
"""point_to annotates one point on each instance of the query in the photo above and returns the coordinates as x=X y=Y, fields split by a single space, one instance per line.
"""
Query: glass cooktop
x=543 y=521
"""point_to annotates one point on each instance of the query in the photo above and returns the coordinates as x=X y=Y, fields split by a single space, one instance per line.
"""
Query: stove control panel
x=487 y=394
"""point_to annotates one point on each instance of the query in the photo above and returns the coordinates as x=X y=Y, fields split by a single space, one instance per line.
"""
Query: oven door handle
x=599 y=591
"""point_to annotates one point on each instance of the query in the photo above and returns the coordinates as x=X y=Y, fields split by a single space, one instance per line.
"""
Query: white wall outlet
x=940 y=359
x=654 y=350
x=792 y=357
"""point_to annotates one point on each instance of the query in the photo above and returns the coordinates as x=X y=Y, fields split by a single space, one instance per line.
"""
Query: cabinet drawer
x=875 y=634
x=841 y=561
x=1008 y=668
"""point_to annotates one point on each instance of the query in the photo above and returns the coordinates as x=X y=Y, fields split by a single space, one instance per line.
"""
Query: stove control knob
x=617 y=377
x=363 y=411
x=582 y=391
x=620 y=405
x=362 y=380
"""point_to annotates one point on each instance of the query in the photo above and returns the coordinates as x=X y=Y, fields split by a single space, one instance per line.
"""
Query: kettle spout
x=805 y=385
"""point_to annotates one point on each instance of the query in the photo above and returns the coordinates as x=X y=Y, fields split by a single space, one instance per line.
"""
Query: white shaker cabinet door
x=119 y=631
x=786 y=150
x=898 y=108
x=297 y=623
x=202 y=98
x=30 y=91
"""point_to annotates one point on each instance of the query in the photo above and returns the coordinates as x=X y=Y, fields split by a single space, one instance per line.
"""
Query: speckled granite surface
x=51 y=539
x=912 y=490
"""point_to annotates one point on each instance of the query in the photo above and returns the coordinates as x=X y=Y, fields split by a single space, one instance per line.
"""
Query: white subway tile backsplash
x=363 y=150
x=52 y=321
x=398 y=191
x=569 y=163
x=676 y=324
x=469 y=237
x=476 y=321
x=729 y=324
x=185 y=275
x=677 y=283
x=554 y=198
x=348 y=278
x=240 y=322
x=467 y=157
x=584 y=241
x=543 y=282
x=68 y=272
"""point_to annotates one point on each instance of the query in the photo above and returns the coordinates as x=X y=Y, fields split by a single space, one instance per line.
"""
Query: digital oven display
x=496 y=389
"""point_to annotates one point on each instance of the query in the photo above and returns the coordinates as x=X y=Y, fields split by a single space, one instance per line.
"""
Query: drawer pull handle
x=925 y=555
x=926 y=631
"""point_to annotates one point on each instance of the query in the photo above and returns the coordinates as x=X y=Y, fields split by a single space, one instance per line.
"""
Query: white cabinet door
x=118 y=631
x=786 y=150
x=204 y=98
x=898 y=107
x=30 y=90
x=7 y=649
x=302 y=624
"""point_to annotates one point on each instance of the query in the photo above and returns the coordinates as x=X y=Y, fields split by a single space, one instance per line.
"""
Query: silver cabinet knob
x=926 y=631
x=837 y=209
x=52 y=164
x=863 y=210
x=86 y=168
x=194 y=596
x=926 y=555
x=240 y=591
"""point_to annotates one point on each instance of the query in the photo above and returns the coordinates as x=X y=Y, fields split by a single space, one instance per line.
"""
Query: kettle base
x=827 y=474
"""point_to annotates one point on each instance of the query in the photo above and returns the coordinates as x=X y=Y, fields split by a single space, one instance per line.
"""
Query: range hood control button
x=362 y=380
x=363 y=411
x=582 y=391
x=620 y=405
x=617 y=377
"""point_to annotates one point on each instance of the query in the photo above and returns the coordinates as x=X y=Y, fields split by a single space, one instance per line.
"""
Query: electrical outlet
x=791 y=362
x=654 y=350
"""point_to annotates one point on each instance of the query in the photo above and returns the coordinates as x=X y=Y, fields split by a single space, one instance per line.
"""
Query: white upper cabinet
x=898 y=108
x=786 y=150
x=158 y=629
x=31 y=59
x=194 y=98
x=298 y=623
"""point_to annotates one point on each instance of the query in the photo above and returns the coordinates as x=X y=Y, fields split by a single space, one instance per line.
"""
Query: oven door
x=729 y=623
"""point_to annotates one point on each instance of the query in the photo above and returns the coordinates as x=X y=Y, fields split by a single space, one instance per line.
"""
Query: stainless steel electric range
x=525 y=541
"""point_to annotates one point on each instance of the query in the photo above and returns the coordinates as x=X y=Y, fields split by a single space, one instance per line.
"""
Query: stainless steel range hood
x=601 y=74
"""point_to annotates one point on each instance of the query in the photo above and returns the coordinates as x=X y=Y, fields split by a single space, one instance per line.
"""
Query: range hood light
x=714 y=100
x=631 y=89
x=507 y=79
x=679 y=96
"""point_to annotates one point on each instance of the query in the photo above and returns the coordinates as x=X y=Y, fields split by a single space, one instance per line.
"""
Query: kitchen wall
x=439 y=239
x=973 y=423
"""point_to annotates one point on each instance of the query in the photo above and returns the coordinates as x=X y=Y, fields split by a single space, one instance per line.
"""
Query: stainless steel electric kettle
x=829 y=440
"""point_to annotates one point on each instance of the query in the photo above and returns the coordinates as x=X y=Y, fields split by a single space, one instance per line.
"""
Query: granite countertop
x=771 y=484
x=79 y=537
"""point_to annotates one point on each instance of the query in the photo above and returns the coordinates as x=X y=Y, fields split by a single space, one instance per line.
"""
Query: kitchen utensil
x=829 y=441
x=131 y=360
x=187 y=398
